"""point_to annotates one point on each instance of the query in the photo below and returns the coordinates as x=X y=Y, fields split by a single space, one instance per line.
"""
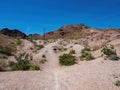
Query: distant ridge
x=72 y=31
x=13 y=33
x=69 y=31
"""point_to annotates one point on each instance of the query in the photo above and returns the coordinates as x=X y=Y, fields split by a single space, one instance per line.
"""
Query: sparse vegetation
x=62 y=49
x=110 y=52
x=89 y=57
x=39 y=47
x=23 y=63
x=85 y=54
x=87 y=49
x=117 y=83
x=59 y=49
x=67 y=60
x=43 y=56
x=6 y=50
x=96 y=47
x=19 y=42
x=2 y=65
x=72 y=51
x=43 y=60
x=30 y=39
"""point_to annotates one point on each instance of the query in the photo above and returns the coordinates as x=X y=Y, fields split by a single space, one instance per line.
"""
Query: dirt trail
x=92 y=75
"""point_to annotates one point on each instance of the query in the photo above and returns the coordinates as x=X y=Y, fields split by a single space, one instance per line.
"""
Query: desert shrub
x=43 y=56
x=113 y=57
x=87 y=49
x=19 y=42
x=67 y=59
x=20 y=65
x=24 y=56
x=39 y=47
x=2 y=65
x=43 y=60
x=108 y=50
x=30 y=39
x=6 y=50
x=89 y=57
x=117 y=83
x=95 y=48
x=85 y=53
x=34 y=67
x=62 y=49
x=72 y=52
x=23 y=63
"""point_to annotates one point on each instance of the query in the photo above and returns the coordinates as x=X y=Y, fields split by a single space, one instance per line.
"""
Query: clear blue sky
x=31 y=16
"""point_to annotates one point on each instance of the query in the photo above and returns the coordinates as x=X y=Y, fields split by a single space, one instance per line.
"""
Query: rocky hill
x=70 y=31
x=74 y=57
x=13 y=33
x=34 y=36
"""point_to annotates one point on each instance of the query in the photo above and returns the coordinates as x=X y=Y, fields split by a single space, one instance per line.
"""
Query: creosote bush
x=43 y=60
x=6 y=50
x=43 y=56
x=87 y=49
x=62 y=49
x=110 y=52
x=85 y=54
x=23 y=63
x=67 y=60
x=117 y=83
x=40 y=46
x=72 y=51
x=2 y=65
x=19 y=42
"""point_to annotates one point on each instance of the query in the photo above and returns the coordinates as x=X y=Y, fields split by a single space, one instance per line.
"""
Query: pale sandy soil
x=98 y=74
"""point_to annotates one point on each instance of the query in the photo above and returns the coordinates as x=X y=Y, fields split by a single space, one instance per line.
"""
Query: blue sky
x=31 y=16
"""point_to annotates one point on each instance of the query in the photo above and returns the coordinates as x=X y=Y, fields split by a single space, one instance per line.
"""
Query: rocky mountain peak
x=13 y=33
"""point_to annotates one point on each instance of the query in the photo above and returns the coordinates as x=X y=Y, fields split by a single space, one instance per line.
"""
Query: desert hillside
x=74 y=57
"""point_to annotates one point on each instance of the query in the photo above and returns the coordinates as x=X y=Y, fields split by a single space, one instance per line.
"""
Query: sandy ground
x=98 y=74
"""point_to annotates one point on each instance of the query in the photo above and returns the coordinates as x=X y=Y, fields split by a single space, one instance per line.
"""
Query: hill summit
x=70 y=31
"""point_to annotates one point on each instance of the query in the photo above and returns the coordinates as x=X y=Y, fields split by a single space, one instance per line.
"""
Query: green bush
x=34 y=67
x=20 y=65
x=108 y=50
x=95 y=48
x=72 y=52
x=23 y=63
x=43 y=56
x=67 y=59
x=39 y=47
x=85 y=53
x=43 y=61
x=89 y=57
x=62 y=49
x=19 y=42
x=87 y=49
x=117 y=83
x=2 y=65
x=6 y=50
